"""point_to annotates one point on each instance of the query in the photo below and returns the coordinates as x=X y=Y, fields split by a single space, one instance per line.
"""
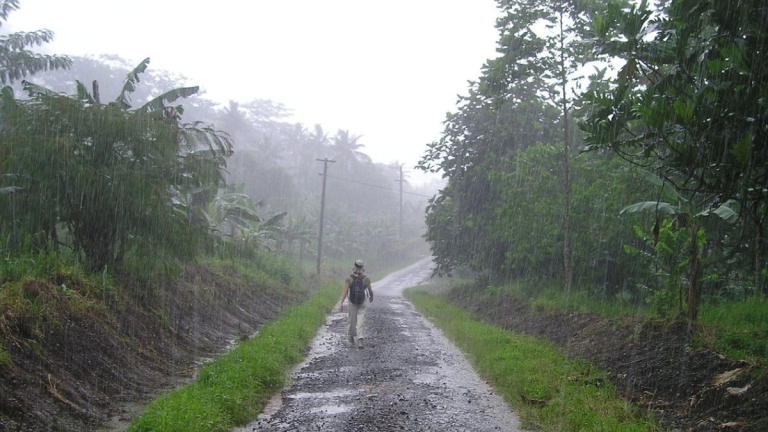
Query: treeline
x=100 y=160
x=642 y=182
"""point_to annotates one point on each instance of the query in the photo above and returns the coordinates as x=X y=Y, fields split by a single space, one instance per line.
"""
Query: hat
x=358 y=266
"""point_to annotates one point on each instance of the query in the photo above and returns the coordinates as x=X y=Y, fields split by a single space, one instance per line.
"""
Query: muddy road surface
x=407 y=377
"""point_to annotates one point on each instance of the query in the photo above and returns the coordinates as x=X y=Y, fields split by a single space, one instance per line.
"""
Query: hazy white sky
x=386 y=70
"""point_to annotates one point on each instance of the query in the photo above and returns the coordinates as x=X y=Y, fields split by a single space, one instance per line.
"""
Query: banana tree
x=296 y=229
x=688 y=214
x=258 y=234
x=235 y=218
x=114 y=175
x=233 y=210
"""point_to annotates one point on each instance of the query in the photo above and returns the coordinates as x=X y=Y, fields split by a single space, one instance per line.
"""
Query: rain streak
x=284 y=218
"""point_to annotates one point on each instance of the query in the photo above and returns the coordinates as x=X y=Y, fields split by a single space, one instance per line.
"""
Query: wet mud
x=80 y=369
x=653 y=364
x=407 y=377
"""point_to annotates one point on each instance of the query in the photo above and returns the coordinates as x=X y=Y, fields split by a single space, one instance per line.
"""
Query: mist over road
x=408 y=377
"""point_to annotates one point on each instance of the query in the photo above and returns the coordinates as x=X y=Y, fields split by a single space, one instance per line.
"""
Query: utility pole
x=401 y=200
x=325 y=162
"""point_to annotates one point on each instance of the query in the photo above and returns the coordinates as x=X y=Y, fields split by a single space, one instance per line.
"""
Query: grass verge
x=551 y=297
x=234 y=388
x=562 y=394
x=737 y=329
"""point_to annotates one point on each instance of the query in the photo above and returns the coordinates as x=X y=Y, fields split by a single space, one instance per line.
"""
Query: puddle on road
x=324 y=344
x=331 y=409
x=323 y=395
x=418 y=374
x=321 y=374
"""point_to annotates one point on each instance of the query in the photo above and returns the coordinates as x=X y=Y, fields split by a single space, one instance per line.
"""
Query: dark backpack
x=357 y=290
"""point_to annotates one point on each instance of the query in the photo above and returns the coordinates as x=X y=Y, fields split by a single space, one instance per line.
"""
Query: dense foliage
x=16 y=59
x=687 y=105
x=112 y=178
x=161 y=181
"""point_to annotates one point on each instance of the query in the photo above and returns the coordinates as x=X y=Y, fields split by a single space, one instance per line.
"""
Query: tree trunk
x=54 y=239
x=567 y=271
x=758 y=260
x=694 y=274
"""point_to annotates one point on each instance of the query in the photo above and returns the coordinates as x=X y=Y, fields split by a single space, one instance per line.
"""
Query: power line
x=375 y=186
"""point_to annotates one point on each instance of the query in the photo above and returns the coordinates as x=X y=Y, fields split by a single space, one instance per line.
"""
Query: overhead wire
x=376 y=186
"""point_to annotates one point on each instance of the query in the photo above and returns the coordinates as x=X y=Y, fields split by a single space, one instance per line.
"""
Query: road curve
x=408 y=377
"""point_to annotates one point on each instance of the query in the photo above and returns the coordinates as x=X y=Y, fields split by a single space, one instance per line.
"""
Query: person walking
x=357 y=286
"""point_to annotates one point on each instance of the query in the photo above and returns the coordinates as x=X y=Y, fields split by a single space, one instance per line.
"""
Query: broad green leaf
x=717 y=66
x=684 y=109
x=599 y=25
x=667 y=189
x=36 y=90
x=9 y=190
x=82 y=93
x=650 y=206
x=725 y=212
x=159 y=102
x=242 y=212
x=129 y=86
x=274 y=219
x=742 y=149
x=7 y=92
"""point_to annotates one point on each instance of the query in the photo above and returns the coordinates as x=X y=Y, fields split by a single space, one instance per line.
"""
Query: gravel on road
x=407 y=377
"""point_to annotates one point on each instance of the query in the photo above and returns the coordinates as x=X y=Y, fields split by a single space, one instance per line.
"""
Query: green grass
x=552 y=297
x=737 y=329
x=518 y=365
x=233 y=389
x=268 y=270
x=5 y=358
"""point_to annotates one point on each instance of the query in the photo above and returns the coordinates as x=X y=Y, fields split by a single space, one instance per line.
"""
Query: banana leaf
x=129 y=86
x=159 y=102
x=650 y=206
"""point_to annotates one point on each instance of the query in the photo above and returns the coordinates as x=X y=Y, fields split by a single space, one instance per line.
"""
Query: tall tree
x=689 y=101
x=347 y=150
x=16 y=59
x=234 y=120
x=521 y=98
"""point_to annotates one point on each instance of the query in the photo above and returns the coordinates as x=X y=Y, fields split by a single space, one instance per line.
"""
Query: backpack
x=357 y=290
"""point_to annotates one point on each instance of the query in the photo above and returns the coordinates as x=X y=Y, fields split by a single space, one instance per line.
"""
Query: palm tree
x=270 y=150
x=347 y=150
x=235 y=121
x=293 y=137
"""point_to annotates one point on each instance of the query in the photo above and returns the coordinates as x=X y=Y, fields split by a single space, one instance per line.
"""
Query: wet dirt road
x=408 y=377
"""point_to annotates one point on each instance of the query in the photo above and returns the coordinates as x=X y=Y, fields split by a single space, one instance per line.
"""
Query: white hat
x=358 y=266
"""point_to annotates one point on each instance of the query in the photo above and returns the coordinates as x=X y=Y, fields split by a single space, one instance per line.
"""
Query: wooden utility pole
x=401 y=201
x=325 y=162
